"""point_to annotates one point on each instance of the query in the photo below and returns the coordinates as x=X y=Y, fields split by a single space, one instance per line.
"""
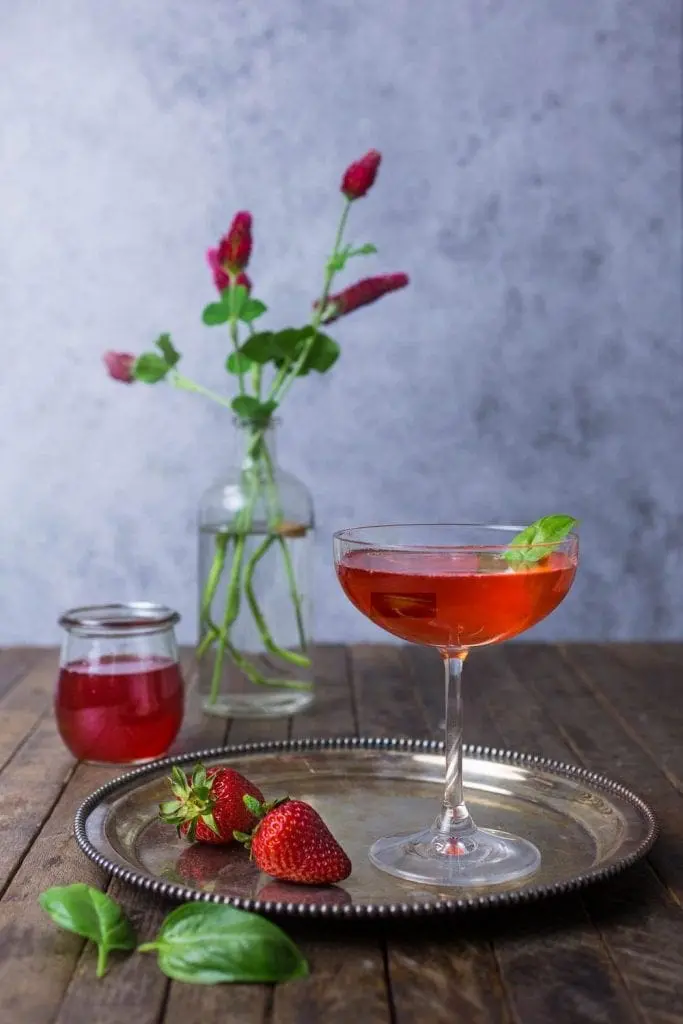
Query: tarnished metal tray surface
x=586 y=826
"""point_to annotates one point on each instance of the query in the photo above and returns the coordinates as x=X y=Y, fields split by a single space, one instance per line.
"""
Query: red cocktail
x=445 y=599
x=120 y=709
x=456 y=588
x=119 y=695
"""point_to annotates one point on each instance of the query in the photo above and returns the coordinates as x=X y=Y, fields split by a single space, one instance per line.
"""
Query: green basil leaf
x=216 y=313
x=209 y=943
x=550 y=530
x=168 y=350
x=252 y=309
x=150 y=368
x=260 y=348
x=88 y=912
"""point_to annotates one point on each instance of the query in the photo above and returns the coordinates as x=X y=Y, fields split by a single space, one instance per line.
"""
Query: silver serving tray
x=586 y=826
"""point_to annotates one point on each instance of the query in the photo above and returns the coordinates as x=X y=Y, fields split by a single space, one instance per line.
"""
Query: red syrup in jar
x=120 y=708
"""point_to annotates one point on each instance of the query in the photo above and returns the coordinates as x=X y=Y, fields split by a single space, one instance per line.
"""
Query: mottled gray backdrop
x=531 y=186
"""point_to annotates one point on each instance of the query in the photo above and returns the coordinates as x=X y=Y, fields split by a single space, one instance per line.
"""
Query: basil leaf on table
x=210 y=943
x=550 y=531
x=88 y=912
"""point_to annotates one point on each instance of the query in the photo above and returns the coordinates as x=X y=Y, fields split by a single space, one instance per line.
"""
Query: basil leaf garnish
x=88 y=912
x=208 y=943
x=550 y=531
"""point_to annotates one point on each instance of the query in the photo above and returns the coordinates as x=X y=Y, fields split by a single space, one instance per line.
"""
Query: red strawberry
x=293 y=843
x=210 y=806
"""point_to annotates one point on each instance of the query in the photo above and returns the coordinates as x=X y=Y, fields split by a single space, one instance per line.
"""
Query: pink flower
x=221 y=279
x=360 y=176
x=234 y=249
x=120 y=366
x=361 y=294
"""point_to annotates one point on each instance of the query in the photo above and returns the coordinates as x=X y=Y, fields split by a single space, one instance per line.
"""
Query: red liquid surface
x=440 y=599
x=119 y=709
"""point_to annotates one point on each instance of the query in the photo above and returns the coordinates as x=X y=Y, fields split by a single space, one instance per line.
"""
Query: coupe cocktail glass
x=452 y=588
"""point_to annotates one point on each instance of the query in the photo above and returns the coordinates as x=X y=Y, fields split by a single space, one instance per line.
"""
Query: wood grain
x=22 y=706
x=613 y=955
x=347 y=969
x=597 y=741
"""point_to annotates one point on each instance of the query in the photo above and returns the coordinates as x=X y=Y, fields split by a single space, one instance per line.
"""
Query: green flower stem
x=213 y=579
x=279 y=391
x=301 y=660
x=234 y=332
x=232 y=608
x=286 y=556
x=185 y=384
x=294 y=594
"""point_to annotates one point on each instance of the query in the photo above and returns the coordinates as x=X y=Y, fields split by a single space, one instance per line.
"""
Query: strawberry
x=293 y=843
x=210 y=806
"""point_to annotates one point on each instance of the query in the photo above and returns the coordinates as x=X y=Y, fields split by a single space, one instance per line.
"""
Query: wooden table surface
x=612 y=954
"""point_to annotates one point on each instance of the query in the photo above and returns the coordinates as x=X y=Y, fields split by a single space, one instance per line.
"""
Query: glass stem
x=454 y=817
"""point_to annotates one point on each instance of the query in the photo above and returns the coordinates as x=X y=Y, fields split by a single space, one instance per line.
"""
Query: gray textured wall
x=531 y=187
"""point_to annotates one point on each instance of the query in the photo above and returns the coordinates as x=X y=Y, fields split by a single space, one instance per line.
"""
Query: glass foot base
x=479 y=857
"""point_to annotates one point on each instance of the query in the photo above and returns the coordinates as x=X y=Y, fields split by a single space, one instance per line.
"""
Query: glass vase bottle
x=255 y=568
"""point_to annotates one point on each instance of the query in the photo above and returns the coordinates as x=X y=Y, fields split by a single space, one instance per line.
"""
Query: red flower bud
x=221 y=279
x=360 y=176
x=361 y=293
x=120 y=366
x=234 y=248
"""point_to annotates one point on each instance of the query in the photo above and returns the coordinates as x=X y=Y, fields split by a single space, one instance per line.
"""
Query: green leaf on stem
x=339 y=259
x=168 y=350
x=150 y=368
x=88 y=912
x=251 y=310
x=248 y=408
x=216 y=313
x=208 y=943
x=539 y=539
x=260 y=348
x=323 y=354
x=238 y=362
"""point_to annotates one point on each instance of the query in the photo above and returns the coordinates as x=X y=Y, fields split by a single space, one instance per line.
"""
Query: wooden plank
x=347 y=965
x=29 y=787
x=27 y=681
x=16 y=662
x=648 y=682
x=499 y=712
x=636 y=919
x=134 y=989
x=332 y=712
x=220 y=1004
x=37 y=959
x=604 y=722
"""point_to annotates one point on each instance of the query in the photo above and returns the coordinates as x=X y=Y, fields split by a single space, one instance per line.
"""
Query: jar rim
x=121 y=617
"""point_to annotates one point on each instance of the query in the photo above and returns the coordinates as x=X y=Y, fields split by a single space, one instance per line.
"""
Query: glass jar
x=120 y=691
x=255 y=555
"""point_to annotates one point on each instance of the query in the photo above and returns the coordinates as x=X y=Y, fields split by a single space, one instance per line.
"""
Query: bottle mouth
x=128 y=617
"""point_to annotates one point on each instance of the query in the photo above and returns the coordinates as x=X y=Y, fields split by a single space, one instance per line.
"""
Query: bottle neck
x=257 y=446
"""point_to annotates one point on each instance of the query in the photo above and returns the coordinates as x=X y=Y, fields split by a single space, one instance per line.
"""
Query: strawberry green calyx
x=193 y=802
x=259 y=810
